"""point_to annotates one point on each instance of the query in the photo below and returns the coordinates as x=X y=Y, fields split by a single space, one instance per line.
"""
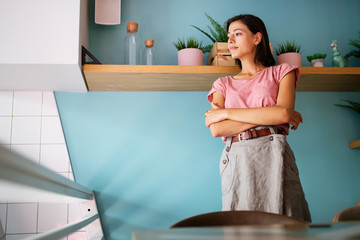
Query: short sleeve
x=218 y=86
x=284 y=69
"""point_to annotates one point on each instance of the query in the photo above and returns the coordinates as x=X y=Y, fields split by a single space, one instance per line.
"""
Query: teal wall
x=152 y=162
x=312 y=24
x=148 y=155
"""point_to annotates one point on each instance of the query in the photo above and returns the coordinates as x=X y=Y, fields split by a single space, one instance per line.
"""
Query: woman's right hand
x=296 y=119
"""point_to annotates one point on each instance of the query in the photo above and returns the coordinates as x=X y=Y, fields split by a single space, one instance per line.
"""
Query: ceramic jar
x=291 y=58
x=190 y=56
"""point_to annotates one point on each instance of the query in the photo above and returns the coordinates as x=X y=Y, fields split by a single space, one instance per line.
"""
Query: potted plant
x=317 y=60
x=217 y=33
x=356 y=107
x=351 y=105
x=219 y=53
x=288 y=52
x=190 y=51
x=354 y=53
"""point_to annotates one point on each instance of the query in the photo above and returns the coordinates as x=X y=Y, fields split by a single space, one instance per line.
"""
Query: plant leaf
x=354 y=53
x=190 y=42
x=220 y=30
x=207 y=48
x=217 y=34
x=353 y=105
x=208 y=35
x=214 y=34
x=287 y=47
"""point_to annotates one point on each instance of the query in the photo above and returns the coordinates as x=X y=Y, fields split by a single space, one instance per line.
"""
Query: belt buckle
x=245 y=135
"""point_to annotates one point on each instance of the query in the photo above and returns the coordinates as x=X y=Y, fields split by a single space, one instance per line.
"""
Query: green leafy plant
x=287 y=47
x=216 y=34
x=190 y=42
x=316 y=56
x=354 y=53
x=352 y=105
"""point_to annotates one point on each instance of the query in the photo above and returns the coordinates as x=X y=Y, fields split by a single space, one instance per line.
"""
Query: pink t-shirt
x=259 y=91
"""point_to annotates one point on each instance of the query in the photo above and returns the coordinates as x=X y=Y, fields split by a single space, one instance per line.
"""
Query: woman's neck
x=249 y=69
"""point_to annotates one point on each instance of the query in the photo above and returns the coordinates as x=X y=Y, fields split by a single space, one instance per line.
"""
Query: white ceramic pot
x=190 y=56
x=291 y=58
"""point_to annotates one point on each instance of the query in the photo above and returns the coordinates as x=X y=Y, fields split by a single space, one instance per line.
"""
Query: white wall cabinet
x=40 y=44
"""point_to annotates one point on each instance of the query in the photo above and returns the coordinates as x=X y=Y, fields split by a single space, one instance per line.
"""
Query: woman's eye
x=237 y=34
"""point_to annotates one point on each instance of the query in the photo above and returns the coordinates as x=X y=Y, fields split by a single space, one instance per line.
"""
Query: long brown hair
x=263 y=53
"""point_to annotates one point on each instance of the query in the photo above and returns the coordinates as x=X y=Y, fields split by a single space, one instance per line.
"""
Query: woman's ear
x=258 y=37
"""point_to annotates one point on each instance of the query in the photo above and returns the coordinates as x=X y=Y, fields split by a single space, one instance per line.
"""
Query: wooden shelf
x=329 y=79
x=355 y=144
x=200 y=78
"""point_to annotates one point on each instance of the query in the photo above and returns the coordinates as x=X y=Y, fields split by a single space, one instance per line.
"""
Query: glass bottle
x=132 y=44
x=148 y=56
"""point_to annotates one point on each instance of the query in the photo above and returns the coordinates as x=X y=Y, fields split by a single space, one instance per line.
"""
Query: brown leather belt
x=255 y=133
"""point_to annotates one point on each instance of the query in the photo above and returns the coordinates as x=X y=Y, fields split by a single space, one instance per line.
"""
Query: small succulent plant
x=190 y=42
x=287 y=47
x=316 y=56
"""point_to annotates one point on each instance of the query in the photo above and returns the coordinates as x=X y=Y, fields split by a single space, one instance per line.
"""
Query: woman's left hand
x=214 y=115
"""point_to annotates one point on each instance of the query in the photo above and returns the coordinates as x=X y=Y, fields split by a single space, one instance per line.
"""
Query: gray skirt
x=261 y=175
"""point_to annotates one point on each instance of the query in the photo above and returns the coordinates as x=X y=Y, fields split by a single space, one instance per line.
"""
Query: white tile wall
x=59 y=211
x=49 y=107
x=31 y=152
x=27 y=103
x=77 y=236
x=26 y=130
x=2 y=219
x=5 y=130
x=30 y=125
x=21 y=218
x=3 y=213
x=51 y=130
x=55 y=157
x=6 y=103
x=18 y=236
x=75 y=214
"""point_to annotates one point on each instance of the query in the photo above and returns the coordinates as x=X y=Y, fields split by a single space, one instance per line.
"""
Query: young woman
x=252 y=112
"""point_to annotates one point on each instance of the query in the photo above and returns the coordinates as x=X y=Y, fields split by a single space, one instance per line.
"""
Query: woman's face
x=242 y=42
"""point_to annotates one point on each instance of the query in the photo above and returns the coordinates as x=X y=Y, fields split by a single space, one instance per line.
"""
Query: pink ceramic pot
x=190 y=56
x=291 y=58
